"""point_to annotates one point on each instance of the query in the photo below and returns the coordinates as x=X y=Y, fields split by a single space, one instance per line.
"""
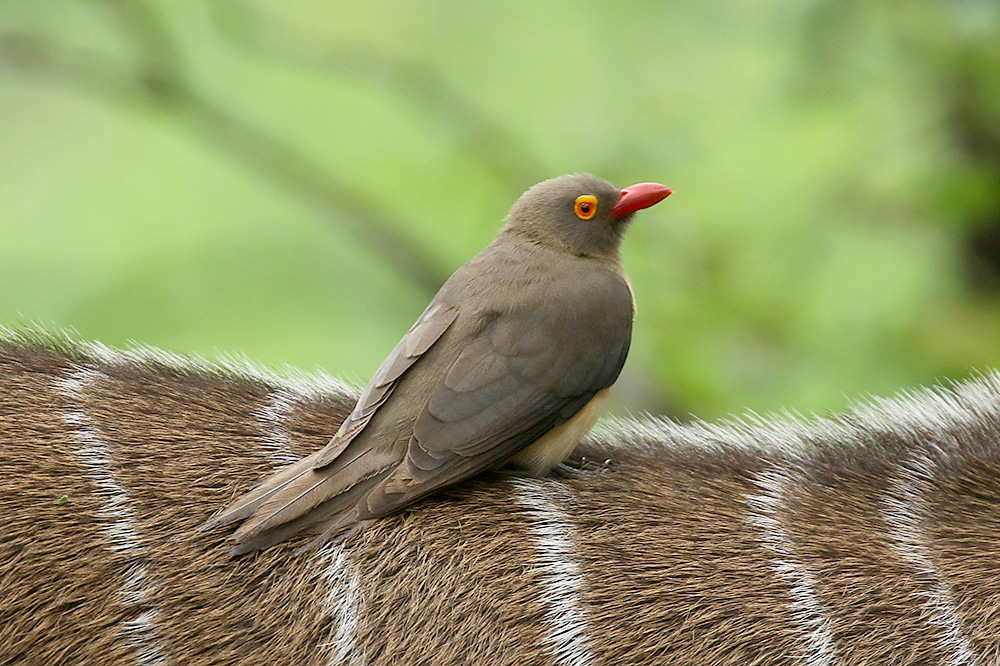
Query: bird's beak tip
x=639 y=196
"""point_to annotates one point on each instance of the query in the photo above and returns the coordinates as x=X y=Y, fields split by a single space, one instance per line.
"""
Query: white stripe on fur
x=122 y=538
x=903 y=511
x=765 y=513
x=551 y=536
x=271 y=416
x=343 y=604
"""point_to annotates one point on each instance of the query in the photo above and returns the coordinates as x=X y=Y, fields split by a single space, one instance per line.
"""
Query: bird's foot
x=573 y=468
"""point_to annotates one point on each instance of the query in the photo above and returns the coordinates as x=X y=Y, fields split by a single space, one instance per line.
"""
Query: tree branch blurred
x=158 y=78
x=160 y=81
x=501 y=151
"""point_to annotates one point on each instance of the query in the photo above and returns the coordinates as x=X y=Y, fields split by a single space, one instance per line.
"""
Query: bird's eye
x=585 y=206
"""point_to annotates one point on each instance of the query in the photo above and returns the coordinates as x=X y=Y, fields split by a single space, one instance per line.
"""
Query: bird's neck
x=609 y=258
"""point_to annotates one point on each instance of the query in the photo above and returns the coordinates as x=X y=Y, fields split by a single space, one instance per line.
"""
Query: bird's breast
x=555 y=446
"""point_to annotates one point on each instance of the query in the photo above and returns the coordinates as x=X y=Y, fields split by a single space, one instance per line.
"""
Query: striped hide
x=870 y=537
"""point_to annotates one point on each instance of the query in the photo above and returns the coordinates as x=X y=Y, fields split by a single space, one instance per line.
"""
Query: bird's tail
x=298 y=499
x=248 y=504
x=312 y=511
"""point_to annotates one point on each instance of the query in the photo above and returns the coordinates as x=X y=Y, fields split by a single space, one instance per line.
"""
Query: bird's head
x=580 y=213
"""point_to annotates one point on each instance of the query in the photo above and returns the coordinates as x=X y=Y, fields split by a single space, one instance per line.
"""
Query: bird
x=508 y=366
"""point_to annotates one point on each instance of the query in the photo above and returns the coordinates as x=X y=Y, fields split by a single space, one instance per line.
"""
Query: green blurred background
x=292 y=180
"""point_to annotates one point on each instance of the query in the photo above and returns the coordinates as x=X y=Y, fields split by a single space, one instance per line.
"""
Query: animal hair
x=867 y=537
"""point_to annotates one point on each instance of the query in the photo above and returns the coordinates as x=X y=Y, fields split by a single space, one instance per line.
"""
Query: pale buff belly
x=556 y=445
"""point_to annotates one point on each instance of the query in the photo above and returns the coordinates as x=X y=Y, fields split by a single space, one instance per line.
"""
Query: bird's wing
x=521 y=375
x=428 y=328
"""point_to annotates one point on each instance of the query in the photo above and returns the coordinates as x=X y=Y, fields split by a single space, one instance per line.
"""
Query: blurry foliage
x=292 y=181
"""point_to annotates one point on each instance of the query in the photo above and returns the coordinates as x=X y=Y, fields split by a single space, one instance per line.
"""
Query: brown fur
x=869 y=538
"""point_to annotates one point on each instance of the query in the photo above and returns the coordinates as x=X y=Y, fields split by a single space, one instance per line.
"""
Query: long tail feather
x=248 y=504
x=344 y=523
x=297 y=497
x=338 y=511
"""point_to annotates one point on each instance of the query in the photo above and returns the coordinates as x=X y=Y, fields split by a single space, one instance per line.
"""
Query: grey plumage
x=515 y=344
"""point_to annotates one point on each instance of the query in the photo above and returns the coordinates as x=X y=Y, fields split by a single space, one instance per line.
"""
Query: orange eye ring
x=585 y=206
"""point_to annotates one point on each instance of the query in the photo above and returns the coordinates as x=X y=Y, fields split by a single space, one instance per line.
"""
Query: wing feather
x=428 y=328
x=518 y=377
